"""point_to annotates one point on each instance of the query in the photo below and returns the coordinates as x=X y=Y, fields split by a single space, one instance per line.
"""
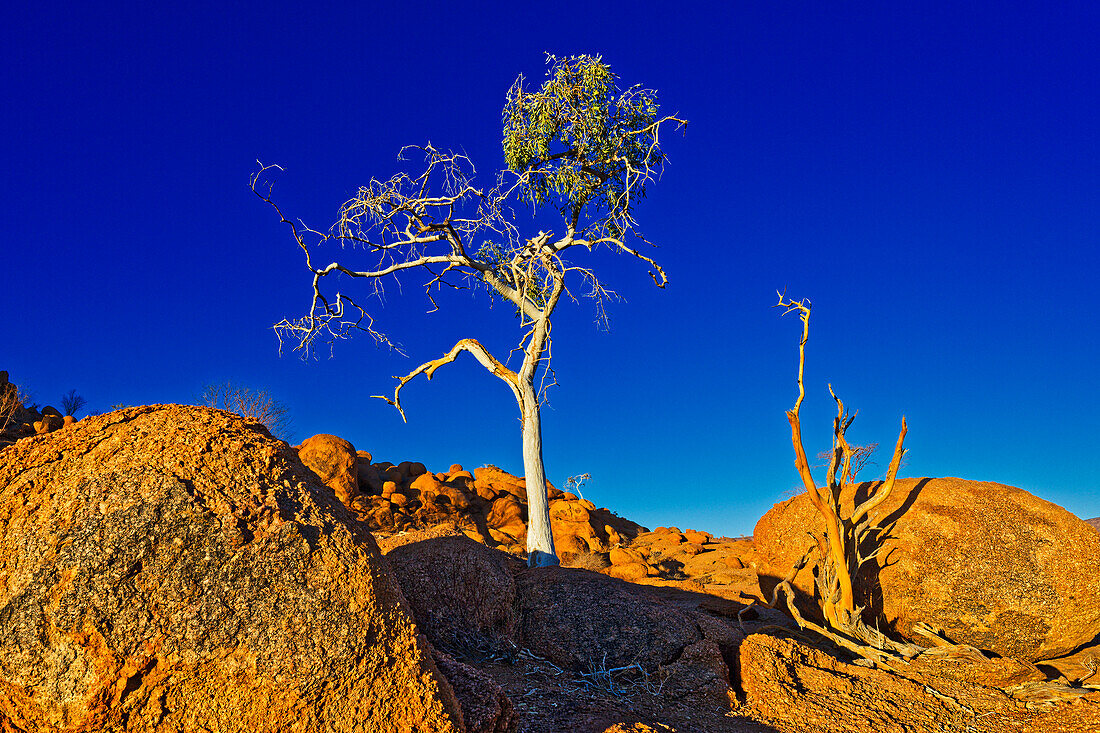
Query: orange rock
x=426 y=484
x=629 y=571
x=621 y=556
x=335 y=462
x=994 y=566
x=691 y=548
x=388 y=488
x=568 y=511
x=398 y=498
x=697 y=537
x=144 y=531
x=455 y=468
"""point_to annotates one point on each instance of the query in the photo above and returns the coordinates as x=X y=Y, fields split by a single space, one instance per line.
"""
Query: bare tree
x=580 y=146
x=838 y=548
x=256 y=405
x=12 y=399
x=72 y=402
x=861 y=457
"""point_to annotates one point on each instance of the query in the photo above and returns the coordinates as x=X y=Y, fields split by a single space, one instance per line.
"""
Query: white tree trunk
x=540 y=539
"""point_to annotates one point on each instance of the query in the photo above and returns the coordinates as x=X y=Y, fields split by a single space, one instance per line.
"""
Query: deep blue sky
x=926 y=173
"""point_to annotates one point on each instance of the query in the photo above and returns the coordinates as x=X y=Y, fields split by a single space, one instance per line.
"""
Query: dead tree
x=836 y=552
x=579 y=145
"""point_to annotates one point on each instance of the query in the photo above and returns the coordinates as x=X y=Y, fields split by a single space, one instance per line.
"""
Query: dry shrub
x=594 y=561
x=12 y=399
x=256 y=405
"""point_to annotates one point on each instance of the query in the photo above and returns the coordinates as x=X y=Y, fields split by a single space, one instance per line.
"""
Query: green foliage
x=581 y=140
x=535 y=289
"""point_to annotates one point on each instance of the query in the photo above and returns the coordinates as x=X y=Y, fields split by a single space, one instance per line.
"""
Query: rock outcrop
x=994 y=566
x=177 y=568
x=488 y=505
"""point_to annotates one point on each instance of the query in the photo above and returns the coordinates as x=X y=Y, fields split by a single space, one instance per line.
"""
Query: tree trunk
x=540 y=539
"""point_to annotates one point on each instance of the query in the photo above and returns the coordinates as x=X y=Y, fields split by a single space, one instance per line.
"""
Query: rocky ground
x=172 y=568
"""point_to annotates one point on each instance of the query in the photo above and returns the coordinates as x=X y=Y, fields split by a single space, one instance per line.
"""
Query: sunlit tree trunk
x=540 y=539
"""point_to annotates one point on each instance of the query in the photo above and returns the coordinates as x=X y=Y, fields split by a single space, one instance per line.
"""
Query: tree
x=72 y=402
x=580 y=147
x=839 y=548
x=256 y=405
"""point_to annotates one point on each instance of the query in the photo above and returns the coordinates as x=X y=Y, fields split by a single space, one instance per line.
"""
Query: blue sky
x=926 y=174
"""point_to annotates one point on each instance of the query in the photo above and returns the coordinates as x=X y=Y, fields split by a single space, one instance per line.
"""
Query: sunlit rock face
x=992 y=565
x=177 y=568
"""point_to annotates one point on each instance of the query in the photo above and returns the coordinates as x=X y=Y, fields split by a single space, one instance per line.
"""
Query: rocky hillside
x=172 y=567
x=489 y=505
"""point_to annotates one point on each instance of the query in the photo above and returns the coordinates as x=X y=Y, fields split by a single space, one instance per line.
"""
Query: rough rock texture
x=1094 y=523
x=176 y=568
x=797 y=688
x=485 y=707
x=460 y=592
x=994 y=566
x=700 y=674
x=585 y=622
x=335 y=462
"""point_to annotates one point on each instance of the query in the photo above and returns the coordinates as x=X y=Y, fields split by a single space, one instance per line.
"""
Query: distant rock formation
x=488 y=505
x=176 y=568
x=994 y=566
x=19 y=421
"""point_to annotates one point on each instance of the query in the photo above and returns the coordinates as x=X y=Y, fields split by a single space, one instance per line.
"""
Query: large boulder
x=586 y=622
x=461 y=592
x=994 y=566
x=335 y=462
x=176 y=568
x=796 y=688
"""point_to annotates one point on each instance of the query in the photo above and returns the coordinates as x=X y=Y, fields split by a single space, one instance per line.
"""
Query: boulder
x=585 y=622
x=796 y=688
x=176 y=568
x=335 y=462
x=485 y=707
x=701 y=676
x=460 y=592
x=994 y=566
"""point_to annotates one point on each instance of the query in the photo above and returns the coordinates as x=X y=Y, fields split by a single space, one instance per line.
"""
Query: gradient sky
x=926 y=173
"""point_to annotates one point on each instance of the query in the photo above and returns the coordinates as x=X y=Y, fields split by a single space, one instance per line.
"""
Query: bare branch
x=428 y=370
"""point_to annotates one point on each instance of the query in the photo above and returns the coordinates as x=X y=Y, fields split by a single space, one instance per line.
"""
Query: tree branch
x=472 y=346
